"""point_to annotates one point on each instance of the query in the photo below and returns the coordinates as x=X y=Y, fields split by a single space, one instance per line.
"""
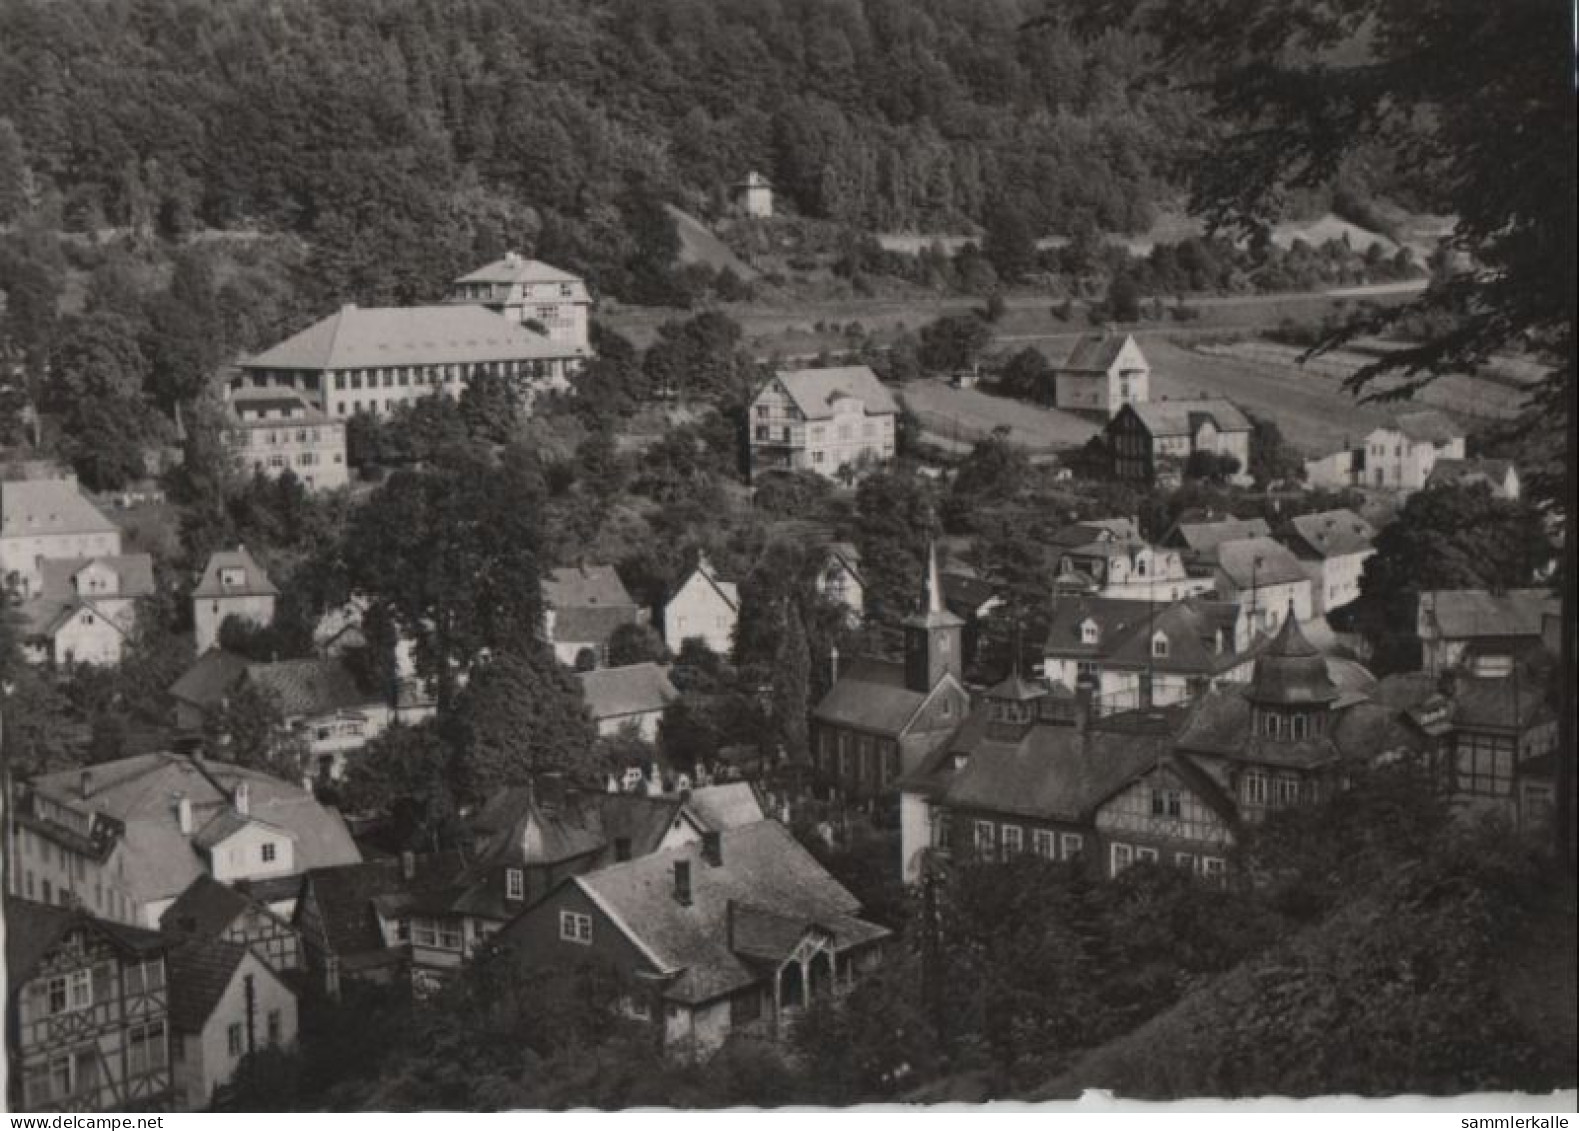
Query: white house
x=1499 y=475
x=583 y=606
x=86 y=609
x=753 y=196
x=703 y=607
x=46 y=519
x=275 y=430
x=1333 y=547
x=529 y=290
x=225 y=1002
x=1402 y=456
x=822 y=420
x=632 y=696
x=1455 y=624
x=233 y=585
x=840 y=580
x=1265 y=579
x=1102 y=374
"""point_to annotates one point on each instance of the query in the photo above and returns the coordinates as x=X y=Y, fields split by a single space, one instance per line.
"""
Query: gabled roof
x=1330 y=534
x=1204 y=537
x=1258 y=562
x=1095 y=353
x=344 y=895
x=726 y=806
x=548 y=822
x=1097 y=530
x=199 y=972
x=872 y=695
x=516 y=268
x=32 y=930
x=206 y=909
x=1464 y=472
x=1220 y=725
x=1182 y=418
x=964 y=595
x=585 y=586
x=31 y=508
x=729 y=591
x=226 y=824
x=212 y=677
x=635 y=689
x=815 y=390
x=160 y=861
x=310 y=687
x=370 y=337
x=1462 y=614
x=292 y=409
x=255 y=582
x=1127 y=627
x=1427 y=426
x=763 y=869
x=133 y=572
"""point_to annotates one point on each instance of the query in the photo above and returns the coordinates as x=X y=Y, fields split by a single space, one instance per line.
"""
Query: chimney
x=622 y=849
x=242 y=799
x=833 y=664
x=713 y=848
x=682 y=882
x=183 y=813
x=85 y=786
x=408 y=865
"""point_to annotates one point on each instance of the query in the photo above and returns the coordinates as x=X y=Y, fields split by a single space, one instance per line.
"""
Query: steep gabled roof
x=372 y=337
x=206 y=908
x=1258 y=562
x=200 y=971
x=763 y=868
x=515 y=268
x=815 y=390
x=32 y=930
x=635 y=689
x=1464 y=472
x=1095 y=353
x=32 y=508
x=344 y=895
x=872 y=695
x=1182 y=418
x=313 y=686
x=1330 y=534
x=1427 y=426
x=1463 y=614
x=210 y=678
x=255 y=581
x=1204 y=537
x=1126 y=629
x=726 y=806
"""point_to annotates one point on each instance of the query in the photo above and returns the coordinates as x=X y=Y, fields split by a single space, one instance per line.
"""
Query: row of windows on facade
x=247 y=437
x=77 y=990
x=871 y=759
x=843 y=433
x=73 y=1074
x=1301 y=724
x=405 y=376
x=106 y=898
x=502 y=291
x=304 y=459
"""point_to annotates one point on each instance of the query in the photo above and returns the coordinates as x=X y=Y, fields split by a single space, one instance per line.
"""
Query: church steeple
x=932 y=634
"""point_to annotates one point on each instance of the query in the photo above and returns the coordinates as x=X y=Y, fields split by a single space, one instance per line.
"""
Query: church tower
x=933 y=636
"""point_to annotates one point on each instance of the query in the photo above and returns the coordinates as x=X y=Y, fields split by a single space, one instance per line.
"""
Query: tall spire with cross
x=933 y=635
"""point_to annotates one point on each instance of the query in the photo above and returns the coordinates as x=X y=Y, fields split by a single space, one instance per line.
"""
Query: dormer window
x=232 y=578
x=514 y=883
x=1159 y=645
x=1089 y=633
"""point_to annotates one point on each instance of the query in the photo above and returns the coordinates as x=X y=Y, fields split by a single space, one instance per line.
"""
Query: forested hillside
x=402 y=138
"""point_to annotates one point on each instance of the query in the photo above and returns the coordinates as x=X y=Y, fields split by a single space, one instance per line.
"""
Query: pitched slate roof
x=1289 y=670
x=1469 y=613
x=256 y=582
x=313 y=686
x=1127 y=627
x=133 y=572
x=250 y=408
x=764 y=872
x=1330 y=534
x=635 y=689
x=516 y=268
x=1181 y=418
x=368 y=337
x=212 y=677
x=1204 y=537
x=870 y=694
x=1427 y=426
x=589 y=603
x=815 y=390
x=547 y=823
x=1220 y=725
x=31 y=508
x=1463 y=472
x=199 y=971
x=1258 y=562
x=206 y=908
x=344 y=895
x=964 y=595
x=1095 y=353
x=1097 y=530
x=161 y=862
x=32 y=930
x=726 y=806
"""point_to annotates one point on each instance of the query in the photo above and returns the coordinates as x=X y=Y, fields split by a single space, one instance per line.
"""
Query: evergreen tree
x=792 y=689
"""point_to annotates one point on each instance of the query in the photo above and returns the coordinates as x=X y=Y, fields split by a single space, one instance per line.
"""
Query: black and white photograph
x=701 y=554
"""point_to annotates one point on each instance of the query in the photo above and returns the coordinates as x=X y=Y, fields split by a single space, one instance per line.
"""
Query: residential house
x=1151 y=439
x=274 y=430
x=210 y=910
x=125 y=838
x=1332 y=546
x=880 y=718
x=583 y=606
x=1198 y=538
x=752 y=196
x=47 y=519
x=633 y=696
x=1401 y=456
x=1455 y=625
x=530 y=292
x=320 y=700
x=1266 y=579
x=225 y=1003
x=840 y=579
x=735 y=934
x=86 y=1013
x=1110 y=567
x=703 y=606
x=233 y=585
x=822 y=420
x=974 y=600
x=1500 y=476
x=85 y=609
x=1104 y=372
x=1131 y=655
x=372 y=359
x=1024 y=774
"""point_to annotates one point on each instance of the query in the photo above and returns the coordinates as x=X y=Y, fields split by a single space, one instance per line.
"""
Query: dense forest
x=403 y=138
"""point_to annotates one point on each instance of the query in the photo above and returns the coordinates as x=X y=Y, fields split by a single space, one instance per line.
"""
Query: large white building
x=529 y=290
x=48 y=519
x=372 y=359
x=1399 y=456
x=822 y=420
x=1102 y=374
x=1333 y=547
x=1266 y=580
x=275 y=430
x=703 y=607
